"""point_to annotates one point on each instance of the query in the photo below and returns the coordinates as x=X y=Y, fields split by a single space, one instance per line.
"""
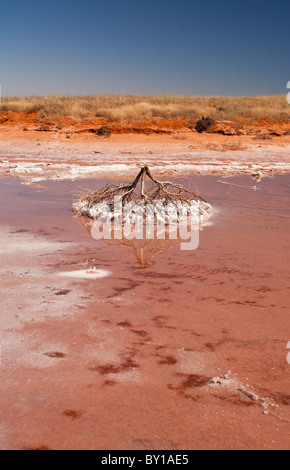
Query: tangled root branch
x=165 y=191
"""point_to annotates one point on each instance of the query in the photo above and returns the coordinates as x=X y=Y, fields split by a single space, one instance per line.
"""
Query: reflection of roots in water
x=144 y=249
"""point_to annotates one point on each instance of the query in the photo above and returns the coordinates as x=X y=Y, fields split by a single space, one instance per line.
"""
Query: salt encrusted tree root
x=166 y=191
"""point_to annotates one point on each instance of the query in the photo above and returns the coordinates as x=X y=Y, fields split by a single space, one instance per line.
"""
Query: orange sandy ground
x=229 y=134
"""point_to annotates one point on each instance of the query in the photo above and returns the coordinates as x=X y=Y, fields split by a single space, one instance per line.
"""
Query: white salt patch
x=85 y=274
x=275 y=161
x=21 y=354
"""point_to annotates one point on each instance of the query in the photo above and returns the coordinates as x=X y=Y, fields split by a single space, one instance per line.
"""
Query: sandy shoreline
x=39 y=156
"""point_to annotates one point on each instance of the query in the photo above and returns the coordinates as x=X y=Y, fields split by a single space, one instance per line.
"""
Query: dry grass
x=139 y=108
x=231 y=146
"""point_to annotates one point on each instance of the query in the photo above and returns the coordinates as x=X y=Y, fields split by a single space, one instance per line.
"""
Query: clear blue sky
x=188 y=47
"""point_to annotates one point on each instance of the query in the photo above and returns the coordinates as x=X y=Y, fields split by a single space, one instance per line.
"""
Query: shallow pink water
x=124 y=362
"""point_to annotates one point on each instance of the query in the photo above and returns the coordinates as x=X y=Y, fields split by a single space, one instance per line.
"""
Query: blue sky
x=145 y=47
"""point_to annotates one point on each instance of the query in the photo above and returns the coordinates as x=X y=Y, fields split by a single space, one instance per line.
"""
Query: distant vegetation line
x=126 y=108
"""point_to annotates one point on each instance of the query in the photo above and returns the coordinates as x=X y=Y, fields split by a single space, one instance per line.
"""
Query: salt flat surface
x=13 y=242
x=58 y=162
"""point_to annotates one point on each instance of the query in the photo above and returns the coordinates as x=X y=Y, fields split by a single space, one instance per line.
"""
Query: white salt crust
x=195 y=213
x=92 y=273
